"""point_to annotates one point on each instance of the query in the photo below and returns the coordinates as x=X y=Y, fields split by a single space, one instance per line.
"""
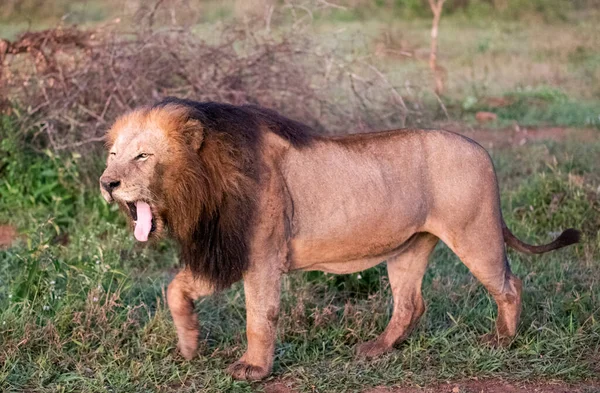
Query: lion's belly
x=351 y=210
x=341 y=238
x=339 y=257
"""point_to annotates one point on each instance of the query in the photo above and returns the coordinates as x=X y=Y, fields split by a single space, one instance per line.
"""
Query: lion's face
x=137 y=158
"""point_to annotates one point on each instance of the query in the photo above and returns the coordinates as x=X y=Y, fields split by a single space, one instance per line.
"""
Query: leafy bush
x=35 y=182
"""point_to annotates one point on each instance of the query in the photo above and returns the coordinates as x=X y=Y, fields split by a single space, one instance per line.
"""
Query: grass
x=542 y=105
x=508 y=67
x=82 y=305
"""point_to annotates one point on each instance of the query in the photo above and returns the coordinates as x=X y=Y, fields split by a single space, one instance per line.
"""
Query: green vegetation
x=23 y=11
x=538 y=106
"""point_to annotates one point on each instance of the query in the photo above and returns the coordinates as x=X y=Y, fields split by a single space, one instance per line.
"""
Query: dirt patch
x=519 y=136
x=495 y=386
x=483 y=386
x=8 y=234
x=279 y=387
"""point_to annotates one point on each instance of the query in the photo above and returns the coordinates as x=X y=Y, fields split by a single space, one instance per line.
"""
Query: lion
x=249 y=194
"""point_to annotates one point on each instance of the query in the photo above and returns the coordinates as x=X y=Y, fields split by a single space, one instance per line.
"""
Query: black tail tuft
x=568 y=237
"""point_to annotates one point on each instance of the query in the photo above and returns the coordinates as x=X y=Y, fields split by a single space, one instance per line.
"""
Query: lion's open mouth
x=141 y=213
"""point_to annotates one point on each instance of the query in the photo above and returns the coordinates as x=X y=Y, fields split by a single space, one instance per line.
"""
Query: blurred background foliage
x=89 y=11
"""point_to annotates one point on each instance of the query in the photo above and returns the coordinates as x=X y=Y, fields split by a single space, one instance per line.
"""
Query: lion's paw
x=247 y=372
x=495 y=341
x=372 y=349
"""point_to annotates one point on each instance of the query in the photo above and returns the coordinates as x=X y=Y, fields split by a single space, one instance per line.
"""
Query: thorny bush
x=66 y=85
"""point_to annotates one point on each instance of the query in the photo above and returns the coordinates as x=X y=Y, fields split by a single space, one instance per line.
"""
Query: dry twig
x=436 y=8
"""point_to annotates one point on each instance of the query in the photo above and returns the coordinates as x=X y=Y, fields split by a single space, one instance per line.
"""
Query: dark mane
x=244 y=120
x=211 y=210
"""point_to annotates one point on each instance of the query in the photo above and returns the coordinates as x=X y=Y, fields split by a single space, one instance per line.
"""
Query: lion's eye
x=142 y=156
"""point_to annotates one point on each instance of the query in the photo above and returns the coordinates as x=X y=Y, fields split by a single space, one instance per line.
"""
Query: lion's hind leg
x=509 y=310
x=181 y=293
x=481 y=248
x=405 y=273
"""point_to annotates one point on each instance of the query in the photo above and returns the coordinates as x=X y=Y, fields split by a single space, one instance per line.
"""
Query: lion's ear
x=193 y=133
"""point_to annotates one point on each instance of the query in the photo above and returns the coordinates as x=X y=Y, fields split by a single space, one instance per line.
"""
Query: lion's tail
x=568 y=237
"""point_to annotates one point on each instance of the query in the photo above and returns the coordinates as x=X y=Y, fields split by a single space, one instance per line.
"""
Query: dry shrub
x=67 y=85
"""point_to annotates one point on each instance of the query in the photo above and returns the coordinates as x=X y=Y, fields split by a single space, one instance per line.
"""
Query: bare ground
x=473 y=386
x=8 y=234
x=495 y=386
x=519 y=136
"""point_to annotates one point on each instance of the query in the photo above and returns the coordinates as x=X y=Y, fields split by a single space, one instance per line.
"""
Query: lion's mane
x=211 y=200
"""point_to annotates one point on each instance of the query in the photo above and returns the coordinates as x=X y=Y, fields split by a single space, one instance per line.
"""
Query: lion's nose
x=109 y=184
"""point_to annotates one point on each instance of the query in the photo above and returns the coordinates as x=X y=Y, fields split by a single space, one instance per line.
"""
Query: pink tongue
x=143 y=225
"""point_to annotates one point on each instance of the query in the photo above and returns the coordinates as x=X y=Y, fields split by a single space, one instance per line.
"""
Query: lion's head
x=191 y=170
x=150 y=151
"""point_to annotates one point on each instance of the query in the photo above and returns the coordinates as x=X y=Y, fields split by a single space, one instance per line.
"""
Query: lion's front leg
x=262 y=288
x=181 y=293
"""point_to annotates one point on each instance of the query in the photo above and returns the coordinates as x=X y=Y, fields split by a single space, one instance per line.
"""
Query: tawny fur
x=248 y=193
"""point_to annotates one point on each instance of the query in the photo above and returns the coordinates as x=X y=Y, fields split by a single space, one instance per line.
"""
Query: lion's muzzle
x=107 y=186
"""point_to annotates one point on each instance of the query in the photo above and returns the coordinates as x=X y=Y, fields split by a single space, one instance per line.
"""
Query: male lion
x=250 y=194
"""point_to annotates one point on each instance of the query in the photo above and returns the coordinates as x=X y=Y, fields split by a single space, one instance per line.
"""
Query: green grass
x=542 y=105
x=82 y=305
